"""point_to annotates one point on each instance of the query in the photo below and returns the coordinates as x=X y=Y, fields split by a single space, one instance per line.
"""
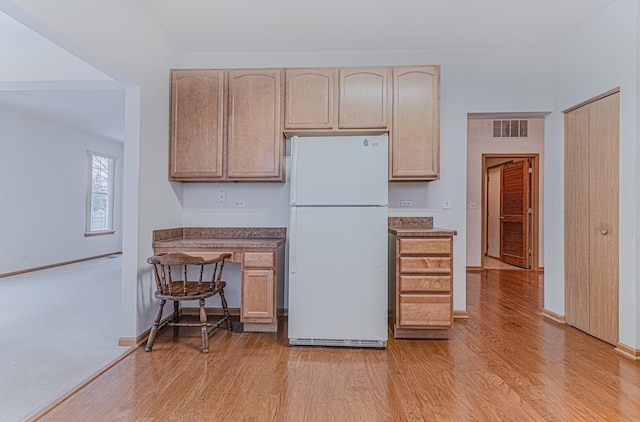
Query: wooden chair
x=184 y=289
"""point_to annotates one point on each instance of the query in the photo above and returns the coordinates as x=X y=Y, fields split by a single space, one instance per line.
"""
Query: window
x=100 y=194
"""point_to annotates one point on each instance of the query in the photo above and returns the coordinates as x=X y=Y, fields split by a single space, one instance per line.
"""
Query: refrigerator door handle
x=293 y=256
x=294 y=169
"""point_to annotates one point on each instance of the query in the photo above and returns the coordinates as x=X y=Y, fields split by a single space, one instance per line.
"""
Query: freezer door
x=343 y=170
x=338 y=274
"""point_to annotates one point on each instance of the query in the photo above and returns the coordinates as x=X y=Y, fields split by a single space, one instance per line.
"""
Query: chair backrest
x=165 y=283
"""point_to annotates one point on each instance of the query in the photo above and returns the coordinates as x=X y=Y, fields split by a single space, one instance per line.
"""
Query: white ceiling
x=336 y=25
x=92 y=103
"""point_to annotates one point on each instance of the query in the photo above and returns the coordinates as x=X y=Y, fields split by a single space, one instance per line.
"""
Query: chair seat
x=193 y=291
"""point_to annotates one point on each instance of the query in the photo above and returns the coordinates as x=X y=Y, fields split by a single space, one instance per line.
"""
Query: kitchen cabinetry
x=591 y=217
x=226 y=125
x=258 y=288
x=364 y=98
x=335 y=99
x=255 y=140
x=421 y=283
x=311 y=98
x=260 y=253
x=197 y=124
x=415 y=135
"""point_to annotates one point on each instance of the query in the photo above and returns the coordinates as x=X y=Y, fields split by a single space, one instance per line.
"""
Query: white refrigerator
x=338 y=241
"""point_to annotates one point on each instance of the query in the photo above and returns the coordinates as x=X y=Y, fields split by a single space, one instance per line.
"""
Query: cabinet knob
x=604 y=231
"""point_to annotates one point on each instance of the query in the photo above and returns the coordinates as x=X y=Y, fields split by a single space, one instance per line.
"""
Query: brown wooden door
x=514 y=213
x=591 y=217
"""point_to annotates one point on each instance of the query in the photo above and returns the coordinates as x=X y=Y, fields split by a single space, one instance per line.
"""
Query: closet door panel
x=603 y=210
x=576 y=218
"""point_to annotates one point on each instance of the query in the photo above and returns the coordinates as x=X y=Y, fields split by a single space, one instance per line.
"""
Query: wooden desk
x=260 y=253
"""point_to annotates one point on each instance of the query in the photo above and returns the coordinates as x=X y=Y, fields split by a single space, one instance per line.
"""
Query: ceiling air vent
x=510 y=128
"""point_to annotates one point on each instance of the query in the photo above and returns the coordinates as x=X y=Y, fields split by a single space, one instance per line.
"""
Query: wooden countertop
x=421 y=231
x=417 y=227
x=219 y=237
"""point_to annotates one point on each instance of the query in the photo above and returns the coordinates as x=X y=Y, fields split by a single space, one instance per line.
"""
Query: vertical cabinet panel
x=310 y=100
x=415 y=135
x=197 y=124
x=255 y=124
x=258 y=295
x=364 y=100
x=591 y=217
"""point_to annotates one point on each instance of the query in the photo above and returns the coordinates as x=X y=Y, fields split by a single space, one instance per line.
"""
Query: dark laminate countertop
x=219 y=237
x=417 y=227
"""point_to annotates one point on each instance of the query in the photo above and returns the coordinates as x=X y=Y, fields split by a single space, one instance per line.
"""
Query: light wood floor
x=505 y=363
x=491 y=263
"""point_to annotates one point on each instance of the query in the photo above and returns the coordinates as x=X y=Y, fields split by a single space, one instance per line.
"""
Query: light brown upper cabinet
x=364 y=98
x=311 y=97
x=226 y=125
x=415 y=135
x=255 y=140
x=197 y=124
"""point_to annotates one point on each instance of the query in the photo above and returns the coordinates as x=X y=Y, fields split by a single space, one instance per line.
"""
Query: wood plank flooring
x=505 y=363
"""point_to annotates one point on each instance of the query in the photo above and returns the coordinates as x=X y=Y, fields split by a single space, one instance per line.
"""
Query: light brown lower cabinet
x=421 y=286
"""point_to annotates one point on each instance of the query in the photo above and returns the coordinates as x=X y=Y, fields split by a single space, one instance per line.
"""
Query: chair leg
x=203 y=329
x=225 y=310
x=155 y=327
x=176 y=311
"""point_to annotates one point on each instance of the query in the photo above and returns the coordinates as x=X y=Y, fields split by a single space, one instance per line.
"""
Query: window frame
x=110 y=194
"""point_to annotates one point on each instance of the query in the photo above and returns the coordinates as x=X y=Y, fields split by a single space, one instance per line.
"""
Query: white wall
x=481 y=141
x=43 y=168
x=600 y=56
x=120 y=39
x=486 y=80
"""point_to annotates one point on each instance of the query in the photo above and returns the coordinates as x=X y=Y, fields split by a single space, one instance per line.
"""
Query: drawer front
x=258 y=259
x=425 y=264
x=425 y=246
x=425 y=311
x=417 y=283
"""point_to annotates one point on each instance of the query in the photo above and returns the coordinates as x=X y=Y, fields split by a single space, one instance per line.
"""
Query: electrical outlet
x=473 y=205
x=238 y=204
x=8 y=258
x=406 y=203
x=222 y=196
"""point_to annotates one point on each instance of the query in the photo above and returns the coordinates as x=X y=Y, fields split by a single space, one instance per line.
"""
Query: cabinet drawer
x=258 y=260
x=425 y=311
x=417 y=283
x=425 y=264
x=425 y=246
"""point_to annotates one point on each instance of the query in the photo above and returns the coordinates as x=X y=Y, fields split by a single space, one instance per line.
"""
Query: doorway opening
x=510 y=206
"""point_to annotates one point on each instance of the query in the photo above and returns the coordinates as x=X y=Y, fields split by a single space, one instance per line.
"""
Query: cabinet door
x=310 y=98
x=197 y=124
x=258 y=296
x=255 y=139
x=364 y=101
x=415 y=136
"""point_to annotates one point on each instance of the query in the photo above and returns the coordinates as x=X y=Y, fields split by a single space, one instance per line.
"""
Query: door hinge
x=530 y=170
x=530 y=210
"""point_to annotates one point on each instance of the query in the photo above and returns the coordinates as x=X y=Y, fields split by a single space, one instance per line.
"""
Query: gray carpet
x=59 y=327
